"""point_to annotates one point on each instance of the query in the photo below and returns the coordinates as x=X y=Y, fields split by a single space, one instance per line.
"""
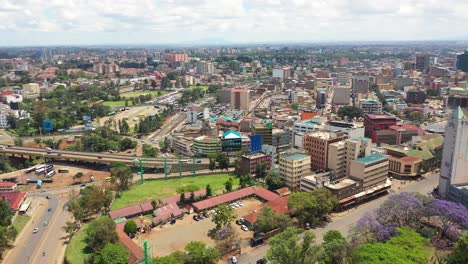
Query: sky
x=91 y=22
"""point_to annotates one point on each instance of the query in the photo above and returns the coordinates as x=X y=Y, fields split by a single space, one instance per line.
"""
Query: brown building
x=248 y=163
x=405 y=167
x=266 y=131
x=316 y=145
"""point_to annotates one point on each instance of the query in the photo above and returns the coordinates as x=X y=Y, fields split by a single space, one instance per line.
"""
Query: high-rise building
x=173 y=58
x=204 y=68
x=265 y=130
x=375 y=123
x=371 y=170
x=234 y=66
x=415 y=96
x=342 y=95
x=316 y=145
x=361 y=84
x=462 y=62
x=344 y=78
x=453 y=180
x=340 y=155
x=293 y=167
x=321 y=98
x=240 y=99
x=370 y=106
x=422 y=62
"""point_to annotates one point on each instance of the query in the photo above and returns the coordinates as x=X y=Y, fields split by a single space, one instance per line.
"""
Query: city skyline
x=32 y=23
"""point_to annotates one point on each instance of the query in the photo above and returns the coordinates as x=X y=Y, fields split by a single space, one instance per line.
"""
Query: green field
x=120 y=103
x=20 y=222
x=204 y=87
x=138 y=93
x=164 y=188
x=75 y=249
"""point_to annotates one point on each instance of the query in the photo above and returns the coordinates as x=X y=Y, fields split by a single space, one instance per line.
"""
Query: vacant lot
x=20 y=222
x=164 y=188
x=75 y=253
x=138 y=93
x=169 y=238
x=120 y=103
x=203 y=87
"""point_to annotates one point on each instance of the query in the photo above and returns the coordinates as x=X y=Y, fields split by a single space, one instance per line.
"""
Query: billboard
x=48 y=125
x=256 y=143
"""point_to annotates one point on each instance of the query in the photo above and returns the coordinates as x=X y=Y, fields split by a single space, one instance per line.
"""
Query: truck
x=30 y=170
x=40 y=171
x=32 y=180
x=39 y=184
x=50 y=173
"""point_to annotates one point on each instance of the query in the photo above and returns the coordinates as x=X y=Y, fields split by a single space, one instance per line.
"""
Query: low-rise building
x=371 y=170
x=248 y=163
x=182 y=145
x=206 y=145
x=405 y=167
x=370 y=106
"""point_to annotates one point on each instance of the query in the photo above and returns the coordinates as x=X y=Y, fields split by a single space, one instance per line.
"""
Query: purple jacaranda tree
x=403 y=209
x=369 y=229
x=451 y=214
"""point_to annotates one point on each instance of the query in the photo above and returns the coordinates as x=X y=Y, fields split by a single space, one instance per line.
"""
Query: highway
x=344 y=221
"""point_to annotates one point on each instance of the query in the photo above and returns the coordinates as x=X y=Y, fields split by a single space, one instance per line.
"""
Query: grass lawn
x=75 y=249
x=120 y=103
x=138 y=93
x=204 y=87
x=20 y=222
x=159 y=189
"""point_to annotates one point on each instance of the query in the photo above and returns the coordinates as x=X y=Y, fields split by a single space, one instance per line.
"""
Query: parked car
x=206 y=215
x=46 y=223
x=83 y=185
x=240 y=203
x=245 y=228
x=196 y=218
x=257 y=240
x=49 y=210
x=327 y=219
x=233 y=260
x=47 y=197
x=35 y=230
x=261 y=261
x=307 y=226
x=201 y=217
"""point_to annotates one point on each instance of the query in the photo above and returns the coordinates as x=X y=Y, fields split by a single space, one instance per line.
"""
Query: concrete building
x=224 y=95
x=105 y=68
x=415 y=96
x=231 y=141
x=370 y=106
x=361 y=84
x=344 y=78
x=341 y=95
x=375 y=123
x=193 y=114
x=422 y=62
x=321 y=98
x=315 y=181
x=405 y=167
x=341 y=153
x=204 y=68
x=316 y=145
x=205 y=145
x=371 y=170
x=271 y=151
x=173 y=58
x=182 y=145
x=31 y=88
x=240 y=99
x=453 y=182
x=293 y=167
x=462 y=62
x=281 y=73
x=248 y=163
x=265 y=130
x=281 y=138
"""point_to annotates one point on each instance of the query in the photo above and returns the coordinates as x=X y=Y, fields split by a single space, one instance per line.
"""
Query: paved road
x=343 y=222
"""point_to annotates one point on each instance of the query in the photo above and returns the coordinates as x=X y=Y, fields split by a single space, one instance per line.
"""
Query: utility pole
x=165 y=168
x=147 y=257
x=180 y=166
x=142 y=180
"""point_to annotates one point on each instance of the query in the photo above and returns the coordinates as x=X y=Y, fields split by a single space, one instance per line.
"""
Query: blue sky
x=73 y=22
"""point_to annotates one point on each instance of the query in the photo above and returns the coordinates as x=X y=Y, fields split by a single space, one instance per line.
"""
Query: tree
x=125 y=128
x=174 y=258
x=349 y=112
x=70 y=228
x=212 y=164
x=130 y=227
x=310 y=207
x=269 y=220
x=111 y=254
x=452 y=214
x=460 y=254
x=335 y=248
x=405 y=248
x=200 y=253
x=127 y=143
x=368 y=230
x=192 y=197
x=5 y=213
x=228 y=185
x=287 y=248
x=223 y=161
x=209 y=192
x=227 y=239
x=274 y=181
x=123 y=174
x=246 y=180
x=261 y=172
x=182 y=201
x=224 y=216
x=100 y=232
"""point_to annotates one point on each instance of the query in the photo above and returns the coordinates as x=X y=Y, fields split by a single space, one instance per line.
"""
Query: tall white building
x=453 y=181
x=204 y=68
x=341 y=153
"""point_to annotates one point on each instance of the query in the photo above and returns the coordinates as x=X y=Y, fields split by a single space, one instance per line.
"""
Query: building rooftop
x=341 y=184
x=295 y=156
x=381 y=116
x=230 y=134
x=371 y=158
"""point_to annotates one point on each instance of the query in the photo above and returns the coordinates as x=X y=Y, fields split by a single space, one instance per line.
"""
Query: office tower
x=240 y=99
x=422 y=62
x=294 y=166
x=316 y=145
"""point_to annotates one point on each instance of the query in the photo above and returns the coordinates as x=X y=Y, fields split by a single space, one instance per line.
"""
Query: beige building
x=371 y=170
x=340 y=155
x=293 y=167
x=31 y=88
x=316 y=145
x=240 y=99
x=405 y=167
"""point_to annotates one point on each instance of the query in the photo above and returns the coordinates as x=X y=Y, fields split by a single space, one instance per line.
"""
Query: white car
x=233 y=260
x=240 y=204
x=245 y=228
x=35 y=230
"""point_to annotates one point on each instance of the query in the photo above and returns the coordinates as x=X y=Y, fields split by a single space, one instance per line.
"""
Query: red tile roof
x=236 y=195
x=7 y=184
x=166 y=211
x=13 y=199
x=127 y=211
x=136 y=253
x=283 y=191
x=410 y=159
x=280 y=206
x=46 y=75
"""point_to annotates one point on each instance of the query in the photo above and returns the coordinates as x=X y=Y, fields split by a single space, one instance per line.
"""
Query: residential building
x=248 y=163
x=105 y=68
x=316 y=145
x=292 y=167
x=361 y=84
x=281 y=138
x=405 y=167
x=271 y=151
x=462 y=62
x=204 y=68
x=341 y=95
x=370 y=106
x=341 y=153
x=173 y=58
x=265 y=130
x=315 y=181
x=321 y=97
x=240 y=99
x=281 y=73
x=453 y=182
x=422 y=62
x=235 y=66
x=31 y=88
x=375 y=123
x=371 y=170
x=344 y=78
x=415 y=96
x=206 y=145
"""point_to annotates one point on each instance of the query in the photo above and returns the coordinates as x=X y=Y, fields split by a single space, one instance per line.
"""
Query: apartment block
x=340 y=155
x=248 y=163
x=293 y=167
x=265 y=130
x=316 y=145
x=240 y=99
x=371 y=170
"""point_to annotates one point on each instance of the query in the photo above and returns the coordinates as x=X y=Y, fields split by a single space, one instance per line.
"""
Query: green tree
x=405 y=248
x=100 y=232
x=192 y=197
x=274 y=181
x=287 y=248
x=200 y=253
x=335 y=248
x=349 y=112
x=5 y=213
x=212 y=164
x=182 y=201
x=122 y=174
x=209 y=192
x=127 y=143
x=310 y=207
x=177 y=257
x=5 y=165
x=125 y=128
x=246 y=180
x=130 y=227
x=460 y=254
x=261 y=170
x=269 y=220
x=111 y=254
x=228 y=185
x=223 y=161
x=224 y=216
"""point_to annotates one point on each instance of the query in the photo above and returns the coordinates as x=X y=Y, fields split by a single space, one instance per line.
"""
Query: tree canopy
x=111 y=254
x=199 y=253
x=122 y=175
x=288 y=248
x=100 y=232
x=224 y=215
x=310 y=207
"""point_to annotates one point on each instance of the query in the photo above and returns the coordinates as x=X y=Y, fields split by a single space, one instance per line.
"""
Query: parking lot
x=169 y=238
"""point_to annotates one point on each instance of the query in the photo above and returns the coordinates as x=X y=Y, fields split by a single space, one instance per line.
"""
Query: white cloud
x=159 y=21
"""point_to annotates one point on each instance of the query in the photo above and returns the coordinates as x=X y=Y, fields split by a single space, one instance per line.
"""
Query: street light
x=142 y=180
